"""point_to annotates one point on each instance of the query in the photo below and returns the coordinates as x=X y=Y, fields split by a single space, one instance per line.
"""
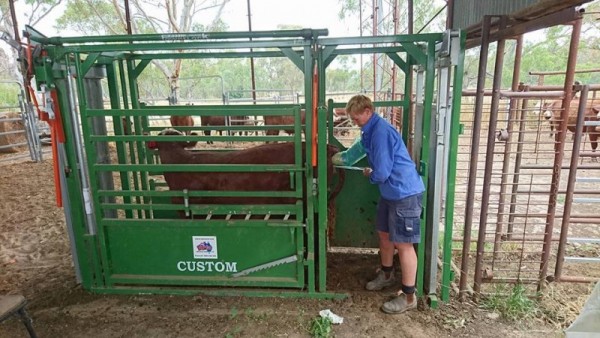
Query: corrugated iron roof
x=470 y=12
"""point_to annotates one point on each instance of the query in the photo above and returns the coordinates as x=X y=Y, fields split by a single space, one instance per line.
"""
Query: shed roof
x=468 y=15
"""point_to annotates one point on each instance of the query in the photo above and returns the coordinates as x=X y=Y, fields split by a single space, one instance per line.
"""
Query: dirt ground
x=35 y=261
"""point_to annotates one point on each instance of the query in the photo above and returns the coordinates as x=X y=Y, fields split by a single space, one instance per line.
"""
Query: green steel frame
x=120 y=233
x=421 y=53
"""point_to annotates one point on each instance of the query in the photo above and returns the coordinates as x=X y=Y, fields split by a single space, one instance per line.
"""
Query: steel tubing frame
x=519 y=95
x=508 y=145
x=559 y=148
x=489 y=160
x=483 y=55
x=564 y=230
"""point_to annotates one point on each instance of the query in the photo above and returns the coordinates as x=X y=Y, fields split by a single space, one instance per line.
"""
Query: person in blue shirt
x=399 y=207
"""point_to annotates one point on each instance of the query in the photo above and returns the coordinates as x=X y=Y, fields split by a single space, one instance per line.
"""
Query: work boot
x=380 y=281
x=398 y=305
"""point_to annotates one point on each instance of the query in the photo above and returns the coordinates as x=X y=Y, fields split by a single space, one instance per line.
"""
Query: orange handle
x=58 y=190
x=57 y=135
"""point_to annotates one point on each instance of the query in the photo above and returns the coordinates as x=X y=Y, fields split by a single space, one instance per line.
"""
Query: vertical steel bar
x=408 y=111
x=489 y=159
x=119 y=129
x=394 y=66
x=517 y=169
x=483 y=56
x=362 y=72
x=564 y=229
x=252 y=77
x=425 y=150
x=512 y=111
x=13 y=17
x=559 y=149
x=323 y=204
x=439 y=131
x=411 y=16
x=128 y=17
x=309 y=63
x=374 y=16
x=450 y=14
x=451 y=169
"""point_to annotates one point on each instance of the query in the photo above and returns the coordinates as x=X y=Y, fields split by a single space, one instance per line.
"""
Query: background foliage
x=211 y=79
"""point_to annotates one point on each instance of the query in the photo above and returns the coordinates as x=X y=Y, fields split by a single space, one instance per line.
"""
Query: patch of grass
x=254 y=315
x=511 y=247
x=233 y=313
x=320 y=327
x=235 y=333
x=513 y=305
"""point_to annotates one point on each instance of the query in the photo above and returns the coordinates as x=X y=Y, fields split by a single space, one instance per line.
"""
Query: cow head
x=547 y=110
x=171 y=132
x=596 y=110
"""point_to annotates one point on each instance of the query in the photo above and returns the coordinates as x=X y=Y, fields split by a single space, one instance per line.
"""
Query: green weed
x=254 y=315
x=235 y=333
x=320 y=327
x=514 y=305
x=233 y=313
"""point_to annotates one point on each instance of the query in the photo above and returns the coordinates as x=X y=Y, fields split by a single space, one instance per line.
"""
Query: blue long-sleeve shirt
x=393 y=170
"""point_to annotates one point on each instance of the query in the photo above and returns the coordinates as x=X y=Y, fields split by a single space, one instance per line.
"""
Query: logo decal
x=205 y=247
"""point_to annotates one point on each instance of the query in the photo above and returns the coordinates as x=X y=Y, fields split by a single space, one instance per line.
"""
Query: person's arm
x=350 y=156
x=382 y=158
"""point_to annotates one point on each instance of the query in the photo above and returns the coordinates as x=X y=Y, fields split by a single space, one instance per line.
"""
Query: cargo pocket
x=411 y=224
x=409 y=220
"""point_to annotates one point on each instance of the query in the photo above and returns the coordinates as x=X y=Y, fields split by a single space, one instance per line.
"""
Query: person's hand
x=337 y=159
x=367 y=171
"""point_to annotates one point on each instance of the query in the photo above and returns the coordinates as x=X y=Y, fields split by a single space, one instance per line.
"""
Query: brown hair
x=358 y=103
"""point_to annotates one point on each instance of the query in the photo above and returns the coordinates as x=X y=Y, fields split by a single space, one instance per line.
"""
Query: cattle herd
x=339 y=119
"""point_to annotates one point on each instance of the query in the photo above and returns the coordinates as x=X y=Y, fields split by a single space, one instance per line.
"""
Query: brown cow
x=220 y=121
x=182 y=121
x=339 y=119
x=282 y=120
x=552 y=111
x=174 y=152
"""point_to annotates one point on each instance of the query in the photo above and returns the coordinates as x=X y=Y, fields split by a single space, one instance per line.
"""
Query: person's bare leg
x=386 y=250
x=408 y=265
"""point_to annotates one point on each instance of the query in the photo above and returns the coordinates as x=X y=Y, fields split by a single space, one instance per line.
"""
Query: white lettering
x=231 y=266
x=201 y=266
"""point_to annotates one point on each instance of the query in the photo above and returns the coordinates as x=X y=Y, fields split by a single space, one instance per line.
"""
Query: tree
x=36 y=12
x=107 y=17
x=425 y=21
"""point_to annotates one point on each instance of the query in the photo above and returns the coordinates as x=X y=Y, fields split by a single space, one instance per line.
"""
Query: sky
x=266 y=15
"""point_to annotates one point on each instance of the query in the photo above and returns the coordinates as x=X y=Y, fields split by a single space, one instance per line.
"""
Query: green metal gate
x=128 y=234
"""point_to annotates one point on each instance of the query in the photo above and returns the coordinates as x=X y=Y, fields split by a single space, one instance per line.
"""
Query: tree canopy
x=210 y=78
